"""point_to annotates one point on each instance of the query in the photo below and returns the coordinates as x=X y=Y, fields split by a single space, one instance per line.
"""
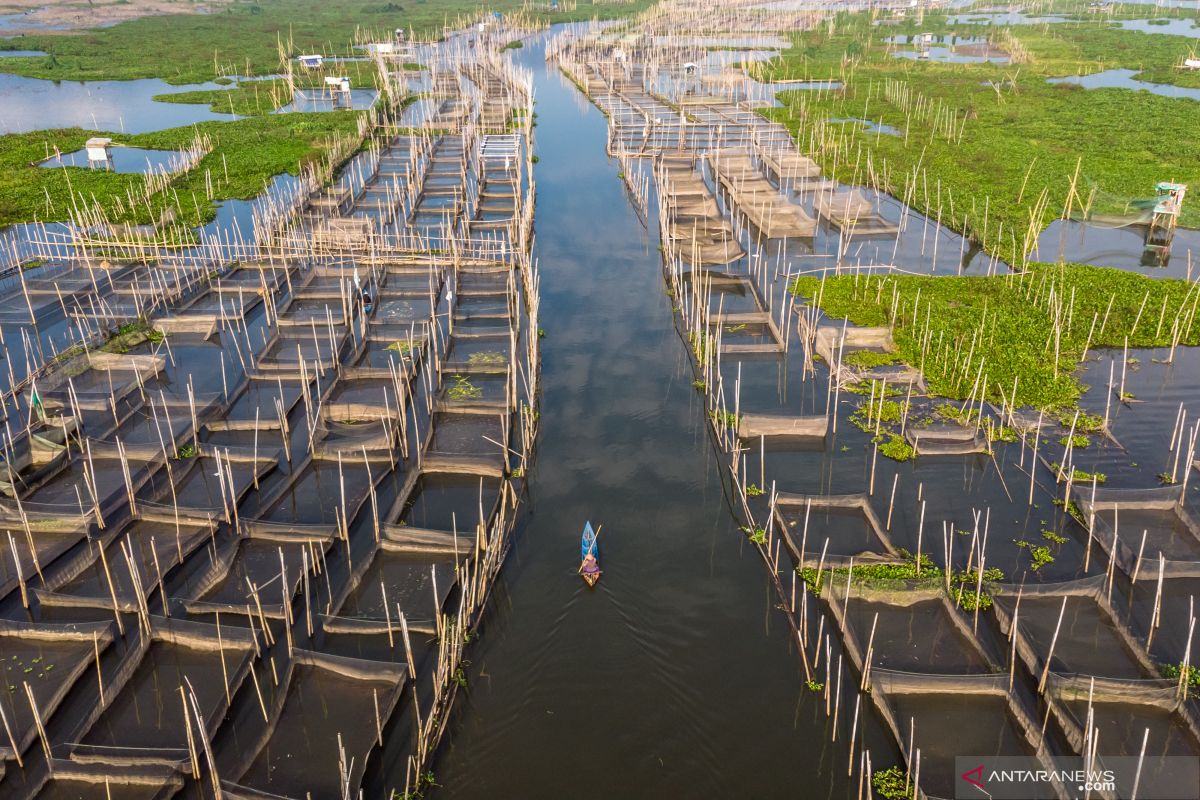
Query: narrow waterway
x=676 y=676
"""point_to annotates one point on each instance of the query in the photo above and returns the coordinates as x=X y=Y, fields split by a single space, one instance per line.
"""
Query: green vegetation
x=868 y=359
x=515 y=44
x=1173 y=671
x=1078 y=475
x=1054 y=537
x=1040 y=553
x=130 y=335
x=725 y=418
x=1076 y=441
x=897 y=449
x=814 y=686
x=246 y=155
x=491 y=357
x=884 y=416
x=992 y=148
x=757 y=535
x=402 y=346
x=905 y=575
x=1030 y=329
x=891 y=783
x=185 y=451
x=246 y=36
x=463 y=389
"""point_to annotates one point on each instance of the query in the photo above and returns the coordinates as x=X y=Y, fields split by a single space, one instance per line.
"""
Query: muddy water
x=675 y=676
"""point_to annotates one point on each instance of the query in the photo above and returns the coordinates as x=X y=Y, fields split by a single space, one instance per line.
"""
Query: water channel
x=646 y=686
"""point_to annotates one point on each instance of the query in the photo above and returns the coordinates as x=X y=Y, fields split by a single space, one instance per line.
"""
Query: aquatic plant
x=463 y=389
x=868 y=359
x=1076 y=441
x=1078 y=475
x=897 y=449
x=724 y=418
x=1054 y=537
x=1173 y=672
x=1040 y=554
x=757 y=535
x=246 y=154
x=185 y=451
x=402 y=346
x=753 y=490
x=891 y=783
x=814 y=686
x=970 y=600
x=491 y=357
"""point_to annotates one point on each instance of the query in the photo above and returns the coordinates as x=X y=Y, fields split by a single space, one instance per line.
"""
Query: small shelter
x=99 y=152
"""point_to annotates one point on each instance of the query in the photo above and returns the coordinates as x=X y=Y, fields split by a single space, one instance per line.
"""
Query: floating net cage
x=122 y=568
x=832 y=529
x=42 y=663
x=834 y=343
x=904 y=626
x=243 y=463
x=936 y=717
x=1139 y=528
x=298 y=755
x=177 y=661
x=1144 y=719
x=1070 y=627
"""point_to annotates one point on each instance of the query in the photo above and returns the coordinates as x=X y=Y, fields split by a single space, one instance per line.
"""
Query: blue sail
x=588 y=544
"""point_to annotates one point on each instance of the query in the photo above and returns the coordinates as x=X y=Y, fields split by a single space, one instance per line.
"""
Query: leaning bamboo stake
x=12 y=740
x=37 y=721
x=1050 y=654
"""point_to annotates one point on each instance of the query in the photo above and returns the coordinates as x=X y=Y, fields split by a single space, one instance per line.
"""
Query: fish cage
x=41 y=664
x=1070 y=627
x=903 y=626
x=327 y=717
x=1138 y=528
x=1147 y=720
x=832 y=529
x=259 y=571
x=121 y=569
x=179 y=668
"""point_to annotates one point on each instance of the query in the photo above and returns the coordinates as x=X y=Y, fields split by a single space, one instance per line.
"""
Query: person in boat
x=590 y=565
x=366 y=301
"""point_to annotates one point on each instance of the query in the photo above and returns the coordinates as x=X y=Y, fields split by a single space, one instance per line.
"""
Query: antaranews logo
x=975 y=777
x=1120 y=777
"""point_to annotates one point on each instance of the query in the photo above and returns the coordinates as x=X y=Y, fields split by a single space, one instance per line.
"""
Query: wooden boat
x=589 y=568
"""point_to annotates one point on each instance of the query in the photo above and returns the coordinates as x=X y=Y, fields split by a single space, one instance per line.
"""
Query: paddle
x=595 y=541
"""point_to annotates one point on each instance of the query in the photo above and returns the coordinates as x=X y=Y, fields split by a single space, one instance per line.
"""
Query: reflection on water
x=1123 y=79
x=641 y=671
x=124 y=159
x=309 y=100
x=976 y=55
x=1123 y=248
x=1171 y=27
x=870 y=127
x=32 y=104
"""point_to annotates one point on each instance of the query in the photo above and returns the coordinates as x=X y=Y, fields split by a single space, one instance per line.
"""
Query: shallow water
x=950 y=55
x=1123 y=248
x=1171 y=27
x=124 y=159
x=1123 y=79
x=32 y=104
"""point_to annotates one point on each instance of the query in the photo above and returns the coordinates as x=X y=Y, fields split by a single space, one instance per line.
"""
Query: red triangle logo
x=975 y=777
